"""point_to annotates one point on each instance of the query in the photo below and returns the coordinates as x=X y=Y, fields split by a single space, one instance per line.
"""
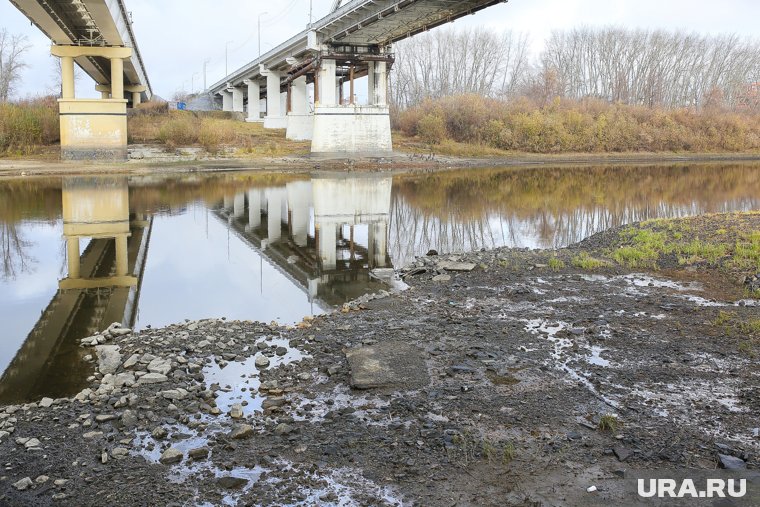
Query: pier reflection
x=328 y=235
x=101 y=287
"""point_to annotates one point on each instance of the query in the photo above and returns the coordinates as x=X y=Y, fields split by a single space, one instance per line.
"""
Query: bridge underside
x=353 y=42
x=96 y=35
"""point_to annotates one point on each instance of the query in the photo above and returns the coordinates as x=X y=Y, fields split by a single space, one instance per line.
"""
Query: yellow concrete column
x=105 y=95
x=67 y=77
x=136 y=99
x=121 y=255
x=117 y=78
x=72 y=252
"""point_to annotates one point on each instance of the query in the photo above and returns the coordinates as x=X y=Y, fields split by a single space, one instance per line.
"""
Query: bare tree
x=652 y=68
x=12 y=49
x=448 y=62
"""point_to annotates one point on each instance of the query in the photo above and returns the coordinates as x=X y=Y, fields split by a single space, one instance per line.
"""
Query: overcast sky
x=176 y=36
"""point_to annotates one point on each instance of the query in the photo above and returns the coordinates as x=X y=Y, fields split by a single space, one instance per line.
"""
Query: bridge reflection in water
x=307 y=230
x=102 y=287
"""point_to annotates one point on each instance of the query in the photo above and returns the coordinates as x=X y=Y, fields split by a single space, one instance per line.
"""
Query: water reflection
x=81 y=253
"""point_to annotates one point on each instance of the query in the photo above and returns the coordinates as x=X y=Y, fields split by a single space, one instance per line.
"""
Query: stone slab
x=388 y=364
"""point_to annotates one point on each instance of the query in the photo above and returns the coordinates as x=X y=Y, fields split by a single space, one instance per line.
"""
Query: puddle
x=239 y=381
x=341 y=487
x=596 y=359
x=204 y=471
x=371 y=409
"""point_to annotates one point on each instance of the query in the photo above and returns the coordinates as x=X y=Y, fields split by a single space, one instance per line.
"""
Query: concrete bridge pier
x=352 y=128
x=300 y=119
x=275 y=198
x=327 y=237
x=378 y=243
x=254 y=105
x=93 y=128
x=226 y=100
x=275 y=117
x=238 y=205
x=237 y=99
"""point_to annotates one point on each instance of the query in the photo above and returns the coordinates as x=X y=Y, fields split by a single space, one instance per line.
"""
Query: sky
x=176 y=36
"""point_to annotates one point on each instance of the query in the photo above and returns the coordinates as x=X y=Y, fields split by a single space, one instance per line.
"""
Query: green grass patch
x=556 y=264
x=584 y=261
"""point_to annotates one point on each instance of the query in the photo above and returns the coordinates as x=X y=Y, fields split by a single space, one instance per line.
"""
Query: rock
x=621 y=452
x=262 y=361
x=158 y=365
x=152 y=378
x=131 y=361
x=456 y=266
x=159 y=433
x=236 y=411
x=129 y=418
x=124 y=379
x=229 y=482
x=46 y=402
x=283 y=429
x=104 y=417
x=281 y=351
x=241 y=431
x=42 y=479
x=387 y=364
x=60 y=482
x=731 y=462
x=109 y=358
x=442 y=278
x=23 y=484
x=304 y=376
x=199 y=453
x=32 y=443
x=432 y=253
x=170 y=456
x=93 y=434
x=119 y=453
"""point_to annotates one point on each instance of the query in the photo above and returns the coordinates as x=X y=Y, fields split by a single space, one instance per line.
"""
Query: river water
x=79 y=253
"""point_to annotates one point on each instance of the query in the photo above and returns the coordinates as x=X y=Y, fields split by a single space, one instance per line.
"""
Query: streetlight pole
x=263 y=13
x=192 y=82
x=204 y=75
x=226 y=52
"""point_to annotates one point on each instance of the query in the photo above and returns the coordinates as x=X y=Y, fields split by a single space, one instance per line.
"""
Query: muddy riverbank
x=502 y=377
x=178 y=163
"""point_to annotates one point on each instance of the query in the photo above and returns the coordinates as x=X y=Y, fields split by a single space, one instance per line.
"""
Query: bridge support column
x=238 y=205
x=226 y=100
x=275 y=118
x=104 y=95
x=300 y=119
x=237 y=99
x=122 y=263
x=136 y=99
x=299 y=203
x=327 y=237
x=93 y=128
x=254 y=104
x=353 y=129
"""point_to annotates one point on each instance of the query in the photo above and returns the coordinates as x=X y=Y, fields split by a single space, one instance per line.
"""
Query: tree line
x=654 y=68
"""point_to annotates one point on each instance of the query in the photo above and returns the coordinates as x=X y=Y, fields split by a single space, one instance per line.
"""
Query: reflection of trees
x=16 y=258
x=553 y=207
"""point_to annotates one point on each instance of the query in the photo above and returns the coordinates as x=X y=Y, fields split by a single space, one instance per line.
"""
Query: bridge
x=96 y=35
x=353 y=41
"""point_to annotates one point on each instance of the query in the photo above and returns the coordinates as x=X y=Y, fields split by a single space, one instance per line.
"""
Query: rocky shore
x=504 y=377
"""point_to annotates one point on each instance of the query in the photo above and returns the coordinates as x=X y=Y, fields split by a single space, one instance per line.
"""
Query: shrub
x=25 y=126
x=178 y=132
x=431 y=129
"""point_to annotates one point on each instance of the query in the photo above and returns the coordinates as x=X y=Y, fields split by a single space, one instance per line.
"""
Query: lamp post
x=204 y=74
x=226 y=52
x=262 y=14
x=192 y=82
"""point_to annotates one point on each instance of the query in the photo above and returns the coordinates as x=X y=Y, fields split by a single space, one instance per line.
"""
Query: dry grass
x=214 y=131
x=567 y=126
x=27 y=126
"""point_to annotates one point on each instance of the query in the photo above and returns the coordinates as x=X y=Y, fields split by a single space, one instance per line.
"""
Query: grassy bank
x=29 y=126
x=471 y=125
x=214 y=131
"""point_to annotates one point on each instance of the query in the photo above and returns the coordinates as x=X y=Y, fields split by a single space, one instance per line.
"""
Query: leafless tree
x=448 y=62
x=13 y=250
x=652 y=68
x=12 y=49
